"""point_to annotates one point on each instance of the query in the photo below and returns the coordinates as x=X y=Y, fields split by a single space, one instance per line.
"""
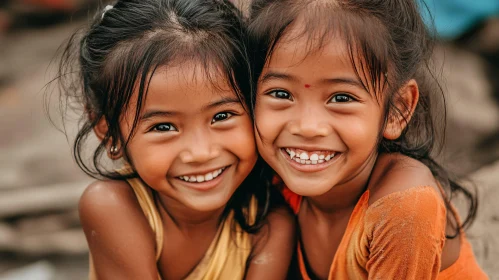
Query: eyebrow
x=353 y=82
x=281 y=76
x=276 y=76
x=158 y=113
x=222 y=101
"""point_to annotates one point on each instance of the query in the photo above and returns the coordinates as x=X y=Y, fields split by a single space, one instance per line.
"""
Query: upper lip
x=309 y=148
x=201 y=172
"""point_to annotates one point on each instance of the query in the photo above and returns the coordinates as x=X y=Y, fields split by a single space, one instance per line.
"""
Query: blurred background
x=40 y=236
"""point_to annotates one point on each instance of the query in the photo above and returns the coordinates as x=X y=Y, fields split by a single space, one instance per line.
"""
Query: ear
x=100 y=130
x=405 y=102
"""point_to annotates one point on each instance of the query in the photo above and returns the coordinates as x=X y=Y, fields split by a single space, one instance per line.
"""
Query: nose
x=310 y=122
x=200 y=147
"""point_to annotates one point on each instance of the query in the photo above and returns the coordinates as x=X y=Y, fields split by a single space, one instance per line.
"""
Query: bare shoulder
x=105 y=193
x=273 y=246
x=397 y=173
x=103 y=199
x=109 y=206
x=117 y=231
x=280 y=222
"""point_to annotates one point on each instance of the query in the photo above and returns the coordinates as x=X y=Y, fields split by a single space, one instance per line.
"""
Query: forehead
x=190 y=80
x=298 y=48
x=192 y=72
x=187 y=85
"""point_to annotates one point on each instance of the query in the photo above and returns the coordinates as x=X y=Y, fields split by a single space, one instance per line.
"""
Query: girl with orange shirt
x=344 y=113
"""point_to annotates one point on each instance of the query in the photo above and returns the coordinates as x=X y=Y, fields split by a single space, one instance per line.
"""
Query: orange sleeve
x=405 y=235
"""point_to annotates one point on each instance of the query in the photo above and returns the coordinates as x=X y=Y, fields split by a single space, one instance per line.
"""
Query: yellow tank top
x=227 y=255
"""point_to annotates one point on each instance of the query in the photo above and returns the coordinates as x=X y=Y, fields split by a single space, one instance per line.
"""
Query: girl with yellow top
x=164 y=85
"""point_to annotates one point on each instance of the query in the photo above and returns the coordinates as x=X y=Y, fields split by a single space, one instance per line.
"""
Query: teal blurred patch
x=452 y=18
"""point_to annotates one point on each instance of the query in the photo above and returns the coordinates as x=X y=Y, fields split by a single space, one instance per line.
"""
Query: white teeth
x=305 y=158
x=208 y=177
x=202 y=178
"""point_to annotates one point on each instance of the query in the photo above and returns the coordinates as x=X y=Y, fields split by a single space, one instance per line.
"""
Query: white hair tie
x=107 y=8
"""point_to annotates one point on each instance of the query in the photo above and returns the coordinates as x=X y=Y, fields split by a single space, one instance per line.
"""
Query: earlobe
x=100 y=130
x=405 y=102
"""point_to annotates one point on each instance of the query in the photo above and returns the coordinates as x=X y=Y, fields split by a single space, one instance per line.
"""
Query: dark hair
x=122 y=49
x=394 y=46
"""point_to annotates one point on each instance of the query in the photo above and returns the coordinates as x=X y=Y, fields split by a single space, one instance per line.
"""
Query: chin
x=208 y=204
x=307 y=187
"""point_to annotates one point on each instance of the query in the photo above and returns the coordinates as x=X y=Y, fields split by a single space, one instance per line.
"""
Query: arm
x=406 y=234
x=119 y=237
x=273 y=247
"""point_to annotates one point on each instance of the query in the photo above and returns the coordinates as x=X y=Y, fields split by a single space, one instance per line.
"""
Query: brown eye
x=280 y=94
x=163 y=127
x=341 y=98
x=222 y=116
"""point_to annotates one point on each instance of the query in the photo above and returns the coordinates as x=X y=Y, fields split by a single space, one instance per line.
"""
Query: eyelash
x=349 y=97
x=170 y=126
x=289 y=97
x=274 y=94
x=229 y=115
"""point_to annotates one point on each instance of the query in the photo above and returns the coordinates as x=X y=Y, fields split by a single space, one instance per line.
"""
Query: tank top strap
x=227 y=256
x=146 y=200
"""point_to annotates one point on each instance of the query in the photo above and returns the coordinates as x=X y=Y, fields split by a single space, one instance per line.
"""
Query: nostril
x=310 y=130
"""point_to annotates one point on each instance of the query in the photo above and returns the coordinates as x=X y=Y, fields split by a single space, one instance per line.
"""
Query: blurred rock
x=41 y=270
x=472 y=111
x=484 y=232
x=48 y=223
x=34 y=200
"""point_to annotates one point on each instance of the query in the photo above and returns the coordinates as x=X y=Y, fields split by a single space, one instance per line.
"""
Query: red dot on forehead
x=307 y=85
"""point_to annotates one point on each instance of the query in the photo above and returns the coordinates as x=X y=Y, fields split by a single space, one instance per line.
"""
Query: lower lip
x=206 y=185
x=308 y=167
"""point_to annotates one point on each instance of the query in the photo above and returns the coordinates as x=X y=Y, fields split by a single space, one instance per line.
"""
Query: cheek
x=146 y=155
x=268 y=123
x=242 y=141
x=360 y=133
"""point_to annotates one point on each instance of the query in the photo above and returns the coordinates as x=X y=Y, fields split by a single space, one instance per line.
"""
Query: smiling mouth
x=309 y=157
x=200 y=178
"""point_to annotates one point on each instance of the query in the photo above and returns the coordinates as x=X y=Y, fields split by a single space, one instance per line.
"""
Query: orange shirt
x=399 y=236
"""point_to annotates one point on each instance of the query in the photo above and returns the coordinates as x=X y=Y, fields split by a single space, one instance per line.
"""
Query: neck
x=344 y=196
x=187 y=219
